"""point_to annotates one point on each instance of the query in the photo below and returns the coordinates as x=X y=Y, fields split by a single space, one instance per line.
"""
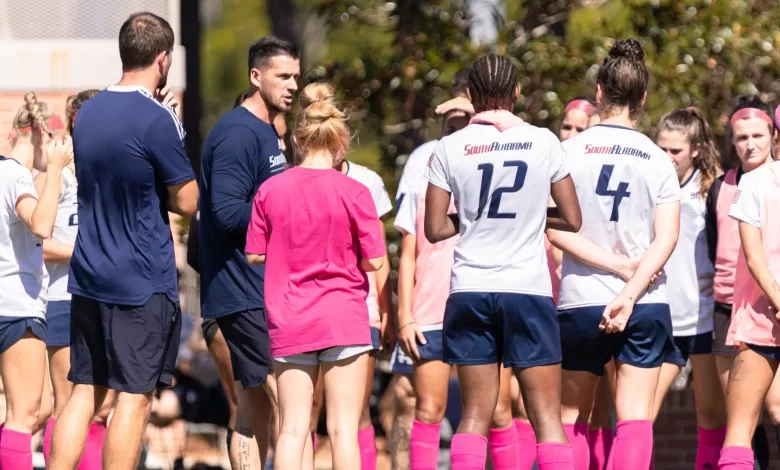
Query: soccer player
x=320 y=233
x=125 y=318
x=576 y=117
x=27 y=218
x=755 y=322
x=501 y=172
x=57 y=252
x=630 y=191
x=688 y=140
x=240 y=153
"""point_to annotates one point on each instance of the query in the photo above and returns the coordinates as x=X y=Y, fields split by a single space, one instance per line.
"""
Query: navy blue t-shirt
x=240 y=153
x=128 y=149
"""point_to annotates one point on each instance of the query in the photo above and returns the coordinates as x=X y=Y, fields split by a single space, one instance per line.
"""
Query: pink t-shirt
x=757 y=202
x=728 y=242
x=314 y=226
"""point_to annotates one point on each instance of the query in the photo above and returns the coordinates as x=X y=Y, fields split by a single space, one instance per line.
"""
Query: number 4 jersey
x=501 y=183
x=620 y=176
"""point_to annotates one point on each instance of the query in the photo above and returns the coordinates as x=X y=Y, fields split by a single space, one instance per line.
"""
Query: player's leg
x=710 y=409
x=752 y=372
x=526 y=438
x=59 y=365
x=23 y=367
x=430 y=381
x=502 y=437
x=405 y=404
x=366 y=437
x=668 y=373
x=600 y=432
x=296 y=378
x=342 y=368
x=316 y=408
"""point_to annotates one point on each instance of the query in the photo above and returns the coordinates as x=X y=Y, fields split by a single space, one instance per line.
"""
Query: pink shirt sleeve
x=256 y=241
x=365 y=222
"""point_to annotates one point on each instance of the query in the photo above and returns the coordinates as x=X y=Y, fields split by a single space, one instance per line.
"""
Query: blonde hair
x=321 y=124
x=33 y=115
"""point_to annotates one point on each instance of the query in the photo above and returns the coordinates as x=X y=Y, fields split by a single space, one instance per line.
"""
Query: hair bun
x=318 y=102
x=628 y=48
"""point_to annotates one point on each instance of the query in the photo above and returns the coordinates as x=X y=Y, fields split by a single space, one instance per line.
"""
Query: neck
x=146 y=78
x=683 y=178
x=24 y=154
x=619 y=118
x=484 y=109
x=256 y=105
x=749 y=166
x=318 y=160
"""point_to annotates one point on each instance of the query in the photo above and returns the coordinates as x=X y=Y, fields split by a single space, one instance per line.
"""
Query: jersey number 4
x=521 y=168
x=602 y=189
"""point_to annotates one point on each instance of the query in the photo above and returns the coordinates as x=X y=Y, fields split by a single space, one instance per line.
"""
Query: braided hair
x=492 y=83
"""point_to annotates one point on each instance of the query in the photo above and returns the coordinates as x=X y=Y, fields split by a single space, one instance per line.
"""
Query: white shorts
x=336 y=353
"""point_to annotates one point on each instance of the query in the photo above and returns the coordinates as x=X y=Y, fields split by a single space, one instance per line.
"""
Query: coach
x=240 y=153
x=132 y=170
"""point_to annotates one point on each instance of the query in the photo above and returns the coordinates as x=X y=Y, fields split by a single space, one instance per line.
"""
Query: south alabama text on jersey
x=616 y=150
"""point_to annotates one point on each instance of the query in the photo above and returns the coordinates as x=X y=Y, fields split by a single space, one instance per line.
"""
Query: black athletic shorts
x=246 y=335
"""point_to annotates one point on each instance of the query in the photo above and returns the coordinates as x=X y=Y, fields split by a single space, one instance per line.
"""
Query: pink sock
x=633 y=446
x=92 y=458
x=555 y=456
x=314 y=441
x=15 y=452
x=424 y=446
x=599 y=443
x=577 y=434
x=526 y=445
x=367 y=448
x=503 y=448
x=468 y=452
x=736 y=458
x=47 y=440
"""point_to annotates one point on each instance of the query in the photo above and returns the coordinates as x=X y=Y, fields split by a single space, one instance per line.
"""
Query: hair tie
x=747 y=113
x=582 y=105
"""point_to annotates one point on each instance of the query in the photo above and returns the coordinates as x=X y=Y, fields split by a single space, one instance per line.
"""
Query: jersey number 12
x=521 y=168
x=602 y=189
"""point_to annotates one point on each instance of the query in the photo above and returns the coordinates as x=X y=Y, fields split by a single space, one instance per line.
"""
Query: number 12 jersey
x=501 y=183
x=620 y=176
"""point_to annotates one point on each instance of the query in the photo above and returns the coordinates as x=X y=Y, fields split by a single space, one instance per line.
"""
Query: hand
x=167 y=98
x=59 y=152
x=408 y=336
x=459 y=103
x=387 y=333
x=616 y=315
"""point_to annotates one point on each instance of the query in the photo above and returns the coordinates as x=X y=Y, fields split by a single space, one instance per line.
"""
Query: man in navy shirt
x=132 y=169
x=240 y=153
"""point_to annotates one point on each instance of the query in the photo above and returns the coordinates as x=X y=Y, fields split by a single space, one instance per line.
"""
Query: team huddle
x=561 y=277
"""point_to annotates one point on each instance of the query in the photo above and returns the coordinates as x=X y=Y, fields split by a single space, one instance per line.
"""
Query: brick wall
x=675 y=434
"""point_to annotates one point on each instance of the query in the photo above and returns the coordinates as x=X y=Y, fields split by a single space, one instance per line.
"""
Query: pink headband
x=747 y=113
x=55 y=124
x=582 y=105
x=777 y=116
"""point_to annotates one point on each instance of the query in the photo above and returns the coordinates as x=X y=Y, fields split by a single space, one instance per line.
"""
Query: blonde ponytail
x=321 y=124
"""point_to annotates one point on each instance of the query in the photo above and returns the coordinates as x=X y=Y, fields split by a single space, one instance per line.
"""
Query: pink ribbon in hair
x=777 y=116
x=582 y=105
x=55 y=124
x=747 y=113
x=502 y=120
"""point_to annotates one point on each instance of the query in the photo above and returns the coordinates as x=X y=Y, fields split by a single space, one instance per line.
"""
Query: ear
x=644 y=98
x=256 y=77
x=696 y=150
x=599 y=95
x=516 y=95
x=468 y=95
x=160 y=60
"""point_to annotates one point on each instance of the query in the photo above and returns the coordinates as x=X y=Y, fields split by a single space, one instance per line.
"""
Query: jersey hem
x=181 y=179
x=133 y=302
x=605 y=303
x=244 y=308
x=490 y=290
x=438 y=185
x=744 y=219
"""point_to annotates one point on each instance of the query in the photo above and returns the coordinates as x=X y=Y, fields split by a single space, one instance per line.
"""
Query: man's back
x=129 y=150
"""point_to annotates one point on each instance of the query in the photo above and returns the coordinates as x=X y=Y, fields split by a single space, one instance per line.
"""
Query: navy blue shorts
x=129 y=348
x=485 y=328
x=769 y=352
x=12 y=329
x=686 y=346
x=246 y=335
x=432 y=350
x=210 y=328
x=58 y=321
x=376 y=338
x=646 y=342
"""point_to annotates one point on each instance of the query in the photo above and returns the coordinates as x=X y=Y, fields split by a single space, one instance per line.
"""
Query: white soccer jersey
x=620 y=176
x=375 y=185
x=22 y=276
x=66 y=227
x=689 y=272
x=414 y=169
x=501 y=184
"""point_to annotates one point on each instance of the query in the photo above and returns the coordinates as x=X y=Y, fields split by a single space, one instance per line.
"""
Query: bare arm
x=590 y=253
x=183 y=198
x=370 y=265
x=566 y=214
x=255 y=259
x=406 y=278
x=39 y=216
x=56 y=252
x=438 y=225
x=383 y=290
x=756 y=261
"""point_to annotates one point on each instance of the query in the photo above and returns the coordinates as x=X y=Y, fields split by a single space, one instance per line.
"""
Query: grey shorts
x=722 y=322
x=336 y=353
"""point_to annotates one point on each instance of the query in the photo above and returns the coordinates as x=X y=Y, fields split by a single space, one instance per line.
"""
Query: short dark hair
x=624 y=77
x=270 y=46
x=141 y=38
x=492 y=82
x=460 y=83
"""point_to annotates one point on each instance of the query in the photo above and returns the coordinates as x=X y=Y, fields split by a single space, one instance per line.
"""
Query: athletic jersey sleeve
x=558 y=167
x=711 y=218
x=164 y=142
x=22 y=186
x=668 y=183
x=380 y=196
x=406 y=218
x=364 y=223
x=231 y=178
x=746 y=206
x=256 y=243
x=438 y=171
